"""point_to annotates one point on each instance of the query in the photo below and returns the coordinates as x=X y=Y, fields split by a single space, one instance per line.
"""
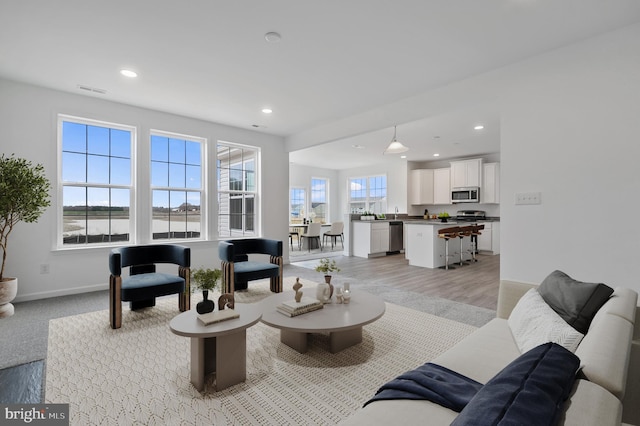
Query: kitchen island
x=424 y=248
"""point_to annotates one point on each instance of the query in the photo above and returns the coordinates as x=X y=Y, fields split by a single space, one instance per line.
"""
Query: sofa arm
x=509 y=294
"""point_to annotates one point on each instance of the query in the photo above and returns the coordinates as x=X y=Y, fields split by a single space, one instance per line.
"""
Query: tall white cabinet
x=490 y=193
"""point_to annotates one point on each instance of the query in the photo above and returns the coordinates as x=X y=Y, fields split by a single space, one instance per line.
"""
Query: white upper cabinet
x=442 y=186
x=466 y=173
x=490 y=193
x=430 y=186
x=421 y=187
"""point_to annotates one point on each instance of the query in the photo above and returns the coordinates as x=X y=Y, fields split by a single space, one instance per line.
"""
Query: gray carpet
x=24 y=335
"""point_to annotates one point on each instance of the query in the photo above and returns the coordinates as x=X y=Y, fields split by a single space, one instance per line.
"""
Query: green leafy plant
x=24 y=196
x=205 y=279
x=327 y=266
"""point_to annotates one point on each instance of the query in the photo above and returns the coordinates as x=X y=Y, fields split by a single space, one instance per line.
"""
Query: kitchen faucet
x=395 y=216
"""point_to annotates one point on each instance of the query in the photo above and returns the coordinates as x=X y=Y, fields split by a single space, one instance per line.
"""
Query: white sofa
x=604 y=353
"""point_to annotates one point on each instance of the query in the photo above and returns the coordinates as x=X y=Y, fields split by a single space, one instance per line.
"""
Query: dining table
x=299 y=229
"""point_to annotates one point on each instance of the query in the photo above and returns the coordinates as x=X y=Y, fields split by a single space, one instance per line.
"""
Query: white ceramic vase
x=8 y=291
x=323 y=292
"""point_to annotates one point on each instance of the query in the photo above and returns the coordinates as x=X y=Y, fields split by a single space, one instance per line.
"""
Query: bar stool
x=447 y=234
x=465 y=231
x=474 y=240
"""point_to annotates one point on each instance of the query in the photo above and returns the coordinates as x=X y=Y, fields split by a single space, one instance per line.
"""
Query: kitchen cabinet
x=490 y=193
x=442 y=186
x=370 y=238
x=466 y=173
x=489 y=241
x=430 y=186
x=424 y=248
x=421 y=187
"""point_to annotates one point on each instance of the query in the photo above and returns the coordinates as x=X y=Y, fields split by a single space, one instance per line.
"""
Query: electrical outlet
x=44 y=268
x=528 y=198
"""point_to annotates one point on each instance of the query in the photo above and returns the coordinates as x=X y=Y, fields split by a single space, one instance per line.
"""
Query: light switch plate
x=528 y=198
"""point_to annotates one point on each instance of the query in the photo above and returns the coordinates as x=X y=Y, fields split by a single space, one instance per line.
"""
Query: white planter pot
x=8 y=291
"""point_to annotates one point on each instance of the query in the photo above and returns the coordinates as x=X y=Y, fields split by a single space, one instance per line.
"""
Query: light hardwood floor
x=474 y=284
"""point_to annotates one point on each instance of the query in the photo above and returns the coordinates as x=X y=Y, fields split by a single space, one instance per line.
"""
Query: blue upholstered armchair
x=238 y=270
x=144 y=284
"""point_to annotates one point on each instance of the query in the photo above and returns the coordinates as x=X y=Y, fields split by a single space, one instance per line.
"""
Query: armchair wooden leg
x=227 y=277
x=115 y=301
x=184 y=300
x=276 y=282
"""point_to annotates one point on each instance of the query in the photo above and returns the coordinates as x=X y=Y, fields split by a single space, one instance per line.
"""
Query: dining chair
x=313 y=233
x=337 y=230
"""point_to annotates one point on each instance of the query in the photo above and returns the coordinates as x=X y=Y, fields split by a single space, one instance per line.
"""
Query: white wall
x=571 y=130
x=28 y=124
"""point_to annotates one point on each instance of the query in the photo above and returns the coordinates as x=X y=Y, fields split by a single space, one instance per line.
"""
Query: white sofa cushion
x=533 y=322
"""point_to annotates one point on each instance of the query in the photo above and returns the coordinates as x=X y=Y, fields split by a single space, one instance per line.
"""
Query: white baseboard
x=56 y=293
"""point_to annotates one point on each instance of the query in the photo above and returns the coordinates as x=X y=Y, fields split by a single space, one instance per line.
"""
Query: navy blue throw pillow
x=531 y=390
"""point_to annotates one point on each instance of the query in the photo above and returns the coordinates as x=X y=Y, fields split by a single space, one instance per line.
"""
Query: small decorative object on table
x=218 y=316
x=294 y=308
x=346 y=294
x=339 y=295
x=327 y=266
x=205 y=280
x=297 y=286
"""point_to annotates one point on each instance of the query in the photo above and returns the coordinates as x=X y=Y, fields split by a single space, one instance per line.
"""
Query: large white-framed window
x=297 y=204
x=237 y=174
x=319 y=199
x=177 y=192
x=96 y=185
x=368 y=194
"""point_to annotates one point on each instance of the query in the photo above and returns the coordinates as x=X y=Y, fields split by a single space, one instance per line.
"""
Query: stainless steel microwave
x=465 y=195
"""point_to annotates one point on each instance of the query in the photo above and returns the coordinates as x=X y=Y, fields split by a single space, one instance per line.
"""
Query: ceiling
x=336 y=59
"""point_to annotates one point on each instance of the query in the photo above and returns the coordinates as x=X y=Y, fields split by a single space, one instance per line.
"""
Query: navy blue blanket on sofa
x=532 y=388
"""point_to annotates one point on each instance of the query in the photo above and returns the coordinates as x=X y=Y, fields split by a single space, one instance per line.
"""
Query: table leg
x=295 y=340
x=339 y=340
x=199 y=365
x=225 y=355
x=231 y=359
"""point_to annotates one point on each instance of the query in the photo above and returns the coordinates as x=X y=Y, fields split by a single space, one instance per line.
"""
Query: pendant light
x=395 y=147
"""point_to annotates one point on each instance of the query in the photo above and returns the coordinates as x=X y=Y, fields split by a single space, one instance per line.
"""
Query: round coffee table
x=219 y=347
x=343 y=322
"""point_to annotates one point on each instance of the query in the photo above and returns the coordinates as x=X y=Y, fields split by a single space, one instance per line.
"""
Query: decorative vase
x=327 y=279
x=323 y=292
x=8 y=291
x=206 y=305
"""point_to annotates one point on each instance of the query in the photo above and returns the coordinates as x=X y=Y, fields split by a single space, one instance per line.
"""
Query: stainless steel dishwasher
x=396 y=240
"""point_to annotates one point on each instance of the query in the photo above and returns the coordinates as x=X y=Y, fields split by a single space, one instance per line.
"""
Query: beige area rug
x=139 y=374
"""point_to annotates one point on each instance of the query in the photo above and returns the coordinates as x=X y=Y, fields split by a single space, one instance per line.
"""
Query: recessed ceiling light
x=436 y=155
x=129 y=73
x=403 y=156
x=272 y=37
x=478 y=127
x=357 y=146
x=267 y=110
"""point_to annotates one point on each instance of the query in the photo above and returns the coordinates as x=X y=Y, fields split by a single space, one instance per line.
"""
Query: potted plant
x=24 y=196
x=324 y=290
x=205 y=280
x=327 y=266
